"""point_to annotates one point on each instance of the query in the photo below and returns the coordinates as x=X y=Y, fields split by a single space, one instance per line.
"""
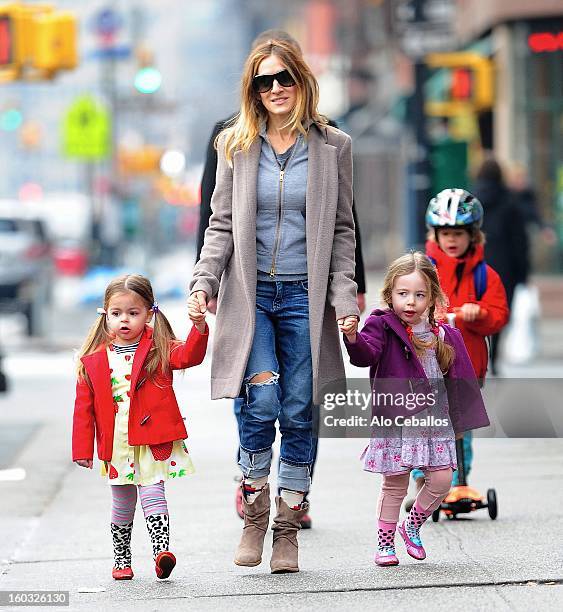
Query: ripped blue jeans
x=281 y=347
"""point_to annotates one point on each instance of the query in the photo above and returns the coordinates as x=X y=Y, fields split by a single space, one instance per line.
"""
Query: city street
x=55 y=521
x=411 y=146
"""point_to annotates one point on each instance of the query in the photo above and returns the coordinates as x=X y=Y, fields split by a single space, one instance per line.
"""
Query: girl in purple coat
x=425 y=395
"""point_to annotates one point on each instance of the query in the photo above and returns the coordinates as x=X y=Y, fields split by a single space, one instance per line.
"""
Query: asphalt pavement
x=54 y=516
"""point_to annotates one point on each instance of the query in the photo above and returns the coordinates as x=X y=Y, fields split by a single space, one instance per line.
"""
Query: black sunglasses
x=262 y=83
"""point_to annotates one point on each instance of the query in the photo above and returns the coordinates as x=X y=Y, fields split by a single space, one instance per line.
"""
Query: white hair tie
x=101 y=311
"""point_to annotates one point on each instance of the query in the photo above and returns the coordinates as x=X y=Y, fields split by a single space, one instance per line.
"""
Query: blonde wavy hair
x=159 y=354
x=407 y=264
x=245 y=126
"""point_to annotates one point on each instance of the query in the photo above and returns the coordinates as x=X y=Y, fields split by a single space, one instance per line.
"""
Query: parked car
x=3 y=378
x=26 y=270
x=71 y=258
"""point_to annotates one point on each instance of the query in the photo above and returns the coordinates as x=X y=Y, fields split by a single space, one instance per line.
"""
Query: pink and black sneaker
x=385 y=554
x=411 y=538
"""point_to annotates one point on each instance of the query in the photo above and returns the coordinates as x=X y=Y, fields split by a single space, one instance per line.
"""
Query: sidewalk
x=54 y=525
x=513 y=563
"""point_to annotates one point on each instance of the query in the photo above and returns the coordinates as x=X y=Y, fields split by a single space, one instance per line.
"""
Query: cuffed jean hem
x=294 y=477
x=255 y=465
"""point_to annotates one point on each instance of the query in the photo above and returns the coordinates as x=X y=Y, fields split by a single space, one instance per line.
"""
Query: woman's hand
x=197 y=307
x=85 y=463
x=349 y=327
x=212 y=306
x=361 y=299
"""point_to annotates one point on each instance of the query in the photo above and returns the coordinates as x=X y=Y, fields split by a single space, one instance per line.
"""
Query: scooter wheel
x=492 y=504
x=436 y=515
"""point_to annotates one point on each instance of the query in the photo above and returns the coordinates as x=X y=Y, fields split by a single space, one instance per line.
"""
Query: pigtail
x=97 y=335
x=420 y=346
x=445 y=353
x=163 y=337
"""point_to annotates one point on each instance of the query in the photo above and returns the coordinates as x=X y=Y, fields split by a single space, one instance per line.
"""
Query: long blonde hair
x=245 y=126
x=407 y=264
x=159 y=354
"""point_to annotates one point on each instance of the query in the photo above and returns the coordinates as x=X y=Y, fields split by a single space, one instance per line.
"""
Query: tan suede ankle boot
x=256 y=519
x=285 y=551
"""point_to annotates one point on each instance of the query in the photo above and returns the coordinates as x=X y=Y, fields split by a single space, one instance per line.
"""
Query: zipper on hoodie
x=280 y=204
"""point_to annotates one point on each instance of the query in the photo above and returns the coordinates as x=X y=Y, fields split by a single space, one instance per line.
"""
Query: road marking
x=12 y=475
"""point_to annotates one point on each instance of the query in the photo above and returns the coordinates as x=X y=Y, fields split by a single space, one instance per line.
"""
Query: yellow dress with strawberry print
x=139 y=465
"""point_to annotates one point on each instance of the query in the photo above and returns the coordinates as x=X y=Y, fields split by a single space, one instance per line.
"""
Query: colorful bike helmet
x=454 y=207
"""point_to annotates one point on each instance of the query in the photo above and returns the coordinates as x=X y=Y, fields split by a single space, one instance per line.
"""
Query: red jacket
x=154 y=415
x=493 y=301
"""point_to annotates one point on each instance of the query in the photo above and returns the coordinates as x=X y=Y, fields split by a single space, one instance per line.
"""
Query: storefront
x=525 y=127
x=529 y=120
x=544 y=116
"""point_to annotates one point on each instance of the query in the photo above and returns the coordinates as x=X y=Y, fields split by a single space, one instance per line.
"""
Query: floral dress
x=404 y=448
x=140 y=465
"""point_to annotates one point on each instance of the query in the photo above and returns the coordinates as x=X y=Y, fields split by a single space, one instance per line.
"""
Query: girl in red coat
x=476 y=295
x=124 y=398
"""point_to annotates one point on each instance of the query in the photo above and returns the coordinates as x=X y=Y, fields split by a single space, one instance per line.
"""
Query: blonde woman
x=279 y=251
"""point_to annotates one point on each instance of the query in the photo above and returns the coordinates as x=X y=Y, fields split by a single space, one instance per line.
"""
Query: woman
x=279 y=250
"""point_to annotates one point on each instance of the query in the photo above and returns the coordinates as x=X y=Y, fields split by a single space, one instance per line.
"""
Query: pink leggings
x=124 y=500
x=394 y=488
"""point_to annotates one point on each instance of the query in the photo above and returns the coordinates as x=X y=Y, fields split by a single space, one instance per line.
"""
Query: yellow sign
x=87 y=130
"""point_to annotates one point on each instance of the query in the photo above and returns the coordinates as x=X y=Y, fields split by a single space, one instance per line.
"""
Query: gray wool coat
x=227 y=264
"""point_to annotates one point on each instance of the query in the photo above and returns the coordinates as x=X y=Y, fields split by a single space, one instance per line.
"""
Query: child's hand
x=469 y=312
x=85 y=463
x=196 y=319
x=200 y=326
x=197 y=307
x=349 y=327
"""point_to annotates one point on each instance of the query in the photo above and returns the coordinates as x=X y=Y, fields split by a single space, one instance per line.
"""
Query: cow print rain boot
x=159 y=531
x=121 y=537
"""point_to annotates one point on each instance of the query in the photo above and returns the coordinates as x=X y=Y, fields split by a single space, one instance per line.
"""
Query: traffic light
x=12 y=39
x=5 y=40
x=35 y=37
x=461 y=84
x=472 y=83
x=17 y=33
x=54 y=42
x=148 y=78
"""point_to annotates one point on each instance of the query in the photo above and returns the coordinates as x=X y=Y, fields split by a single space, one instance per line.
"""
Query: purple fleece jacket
x=383 y=345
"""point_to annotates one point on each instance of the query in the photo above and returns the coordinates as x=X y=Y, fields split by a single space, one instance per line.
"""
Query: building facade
x=527 y=117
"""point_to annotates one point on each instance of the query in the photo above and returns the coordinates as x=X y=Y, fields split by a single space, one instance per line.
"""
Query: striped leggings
x=124 y=500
